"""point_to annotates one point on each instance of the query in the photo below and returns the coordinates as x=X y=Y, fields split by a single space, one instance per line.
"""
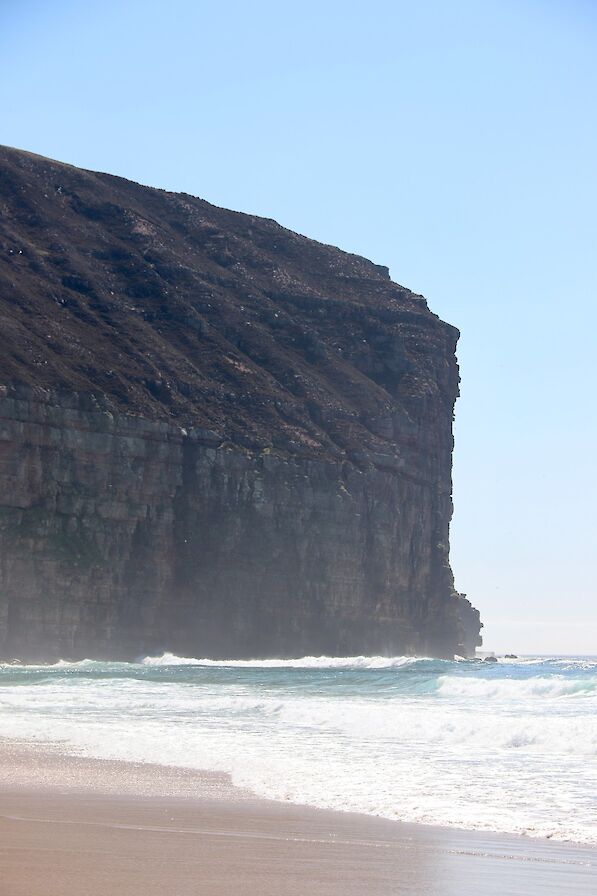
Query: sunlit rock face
x=217 y=437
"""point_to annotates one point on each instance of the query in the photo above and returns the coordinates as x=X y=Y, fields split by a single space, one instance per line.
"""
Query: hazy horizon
x=457 y=146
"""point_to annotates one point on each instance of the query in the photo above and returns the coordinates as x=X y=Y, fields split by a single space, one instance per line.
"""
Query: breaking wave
x=507 y=746
x=305 y=662
x=515 y=688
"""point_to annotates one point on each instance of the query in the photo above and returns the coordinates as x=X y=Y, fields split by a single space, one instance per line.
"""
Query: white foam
x=472 y=749
x=305 y=662
x=513 y=688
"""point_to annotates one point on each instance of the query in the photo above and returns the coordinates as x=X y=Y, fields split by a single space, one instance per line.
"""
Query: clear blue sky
x=455 y=142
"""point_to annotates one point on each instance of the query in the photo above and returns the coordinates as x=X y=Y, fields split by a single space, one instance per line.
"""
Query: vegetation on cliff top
x=173 y=309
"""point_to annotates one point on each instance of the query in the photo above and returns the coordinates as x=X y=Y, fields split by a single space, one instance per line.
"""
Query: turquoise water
x=509 y=747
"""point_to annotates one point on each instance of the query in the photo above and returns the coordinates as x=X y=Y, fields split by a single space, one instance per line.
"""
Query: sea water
x=510 y=746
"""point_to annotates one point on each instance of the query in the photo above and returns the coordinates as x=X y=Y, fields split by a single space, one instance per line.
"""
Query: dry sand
x=75 y=827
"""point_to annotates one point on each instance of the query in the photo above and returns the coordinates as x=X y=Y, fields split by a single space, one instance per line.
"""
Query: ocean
x=509 y=747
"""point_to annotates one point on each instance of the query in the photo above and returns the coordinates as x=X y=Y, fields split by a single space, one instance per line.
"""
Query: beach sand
x=79 y=827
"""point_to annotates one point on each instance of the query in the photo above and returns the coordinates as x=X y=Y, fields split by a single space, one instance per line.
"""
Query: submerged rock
x=217 y=437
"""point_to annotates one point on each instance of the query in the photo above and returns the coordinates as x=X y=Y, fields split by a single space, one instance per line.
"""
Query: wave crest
x=305 y=662
x=515 y=688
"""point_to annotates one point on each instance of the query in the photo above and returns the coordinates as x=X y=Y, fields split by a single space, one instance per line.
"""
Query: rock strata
x=217 y=437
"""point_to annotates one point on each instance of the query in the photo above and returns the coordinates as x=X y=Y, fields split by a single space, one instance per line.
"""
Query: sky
x=455 y=143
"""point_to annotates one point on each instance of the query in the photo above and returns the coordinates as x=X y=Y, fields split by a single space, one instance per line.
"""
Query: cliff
x=217 y=437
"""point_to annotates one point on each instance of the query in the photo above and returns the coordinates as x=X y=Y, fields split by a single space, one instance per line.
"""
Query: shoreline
x=133 y=828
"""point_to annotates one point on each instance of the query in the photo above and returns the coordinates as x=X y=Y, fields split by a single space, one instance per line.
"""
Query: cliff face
x=217 y=437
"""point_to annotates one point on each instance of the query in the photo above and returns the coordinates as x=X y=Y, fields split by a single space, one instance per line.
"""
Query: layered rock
x=217 y=437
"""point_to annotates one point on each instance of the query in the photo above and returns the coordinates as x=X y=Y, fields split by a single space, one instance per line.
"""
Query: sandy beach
x=79 y=827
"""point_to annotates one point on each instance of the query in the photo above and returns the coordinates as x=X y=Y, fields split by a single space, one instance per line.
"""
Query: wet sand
x=74 y=827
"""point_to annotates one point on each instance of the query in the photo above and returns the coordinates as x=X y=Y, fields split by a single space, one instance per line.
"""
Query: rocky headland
x=217 y=437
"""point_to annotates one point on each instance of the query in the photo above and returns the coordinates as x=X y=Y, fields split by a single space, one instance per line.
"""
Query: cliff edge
x=217 y=437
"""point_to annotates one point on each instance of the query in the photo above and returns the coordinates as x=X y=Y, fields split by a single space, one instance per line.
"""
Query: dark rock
x=490 y=659
x=217 y=437
x=470 y=627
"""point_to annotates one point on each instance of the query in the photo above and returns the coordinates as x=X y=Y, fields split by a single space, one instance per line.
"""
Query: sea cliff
x=217 y=437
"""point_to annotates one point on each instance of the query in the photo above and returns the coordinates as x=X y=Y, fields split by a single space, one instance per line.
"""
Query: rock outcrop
x=217 y=437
